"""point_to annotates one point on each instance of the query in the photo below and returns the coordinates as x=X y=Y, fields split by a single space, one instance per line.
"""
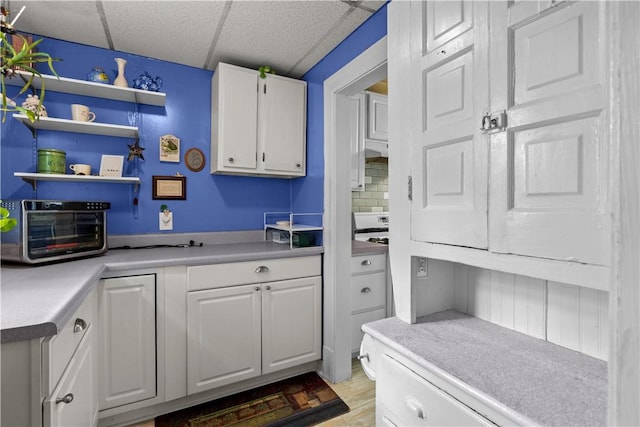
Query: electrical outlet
x=422 y=267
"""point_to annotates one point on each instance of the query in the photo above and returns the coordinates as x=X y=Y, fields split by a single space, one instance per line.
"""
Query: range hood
x=375 y=148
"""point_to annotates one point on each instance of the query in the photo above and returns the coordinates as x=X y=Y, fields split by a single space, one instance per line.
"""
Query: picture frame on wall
x=169 y=148
x=169 y=187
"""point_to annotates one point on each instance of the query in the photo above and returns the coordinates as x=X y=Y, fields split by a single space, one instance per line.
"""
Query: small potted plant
x=24 y=58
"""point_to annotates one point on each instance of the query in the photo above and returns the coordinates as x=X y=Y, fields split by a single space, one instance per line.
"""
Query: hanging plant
x=265 y=69
x=24 y=59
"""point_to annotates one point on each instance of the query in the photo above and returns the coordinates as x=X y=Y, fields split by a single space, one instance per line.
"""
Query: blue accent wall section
x=308 y=194
x=214 y=202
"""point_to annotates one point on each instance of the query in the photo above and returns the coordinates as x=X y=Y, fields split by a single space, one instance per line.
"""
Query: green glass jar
x=51 y=160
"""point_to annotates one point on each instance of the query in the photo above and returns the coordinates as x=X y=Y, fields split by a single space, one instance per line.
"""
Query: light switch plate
x=165 y=220
x=422 y=267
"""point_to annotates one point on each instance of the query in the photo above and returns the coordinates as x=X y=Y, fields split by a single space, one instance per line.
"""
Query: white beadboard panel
x=577 y=317
x=480 y=293
x=530 y=306
x=502 y=299
x=436 y=292
x=461 y=288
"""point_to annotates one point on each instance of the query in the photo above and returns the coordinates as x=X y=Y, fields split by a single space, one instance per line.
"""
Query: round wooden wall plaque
x=194 y=159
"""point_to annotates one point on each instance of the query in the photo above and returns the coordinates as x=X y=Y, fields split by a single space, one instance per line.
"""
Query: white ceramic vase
x=120 y=80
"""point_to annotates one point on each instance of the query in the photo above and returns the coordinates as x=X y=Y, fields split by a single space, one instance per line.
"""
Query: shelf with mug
x=86 y=88
x=76 y=126
x=32 y=178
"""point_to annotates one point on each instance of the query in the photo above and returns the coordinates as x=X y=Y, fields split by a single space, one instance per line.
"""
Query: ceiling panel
x=179 y=32
x=352 y=21
x=76 y=21
x=275 y=33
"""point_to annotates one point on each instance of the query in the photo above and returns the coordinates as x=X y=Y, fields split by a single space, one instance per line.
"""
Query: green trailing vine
x=264 y=70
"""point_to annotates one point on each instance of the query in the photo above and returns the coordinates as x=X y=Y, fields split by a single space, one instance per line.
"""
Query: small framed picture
x=169 y=187
x=111 y=165
x=169 y=148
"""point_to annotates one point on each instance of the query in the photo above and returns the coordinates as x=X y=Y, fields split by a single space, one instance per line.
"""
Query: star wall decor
x=135 y=151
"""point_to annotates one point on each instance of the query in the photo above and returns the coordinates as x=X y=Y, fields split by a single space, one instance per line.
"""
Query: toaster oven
x=54 y=230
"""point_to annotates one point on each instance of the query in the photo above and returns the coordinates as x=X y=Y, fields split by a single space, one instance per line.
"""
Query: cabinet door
x=282 y=125
x=223 y=336
x=291 y=323
x=234 y=123
x=349 y=127
x=449 y=79
x=377 y=117
x=74 y=401
x=127 y=307
x=549 y=169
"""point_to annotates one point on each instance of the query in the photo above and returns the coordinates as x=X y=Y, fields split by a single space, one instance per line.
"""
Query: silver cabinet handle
x=268 y=287
x=262 y=269
x=365 y=290
x=363 y=356
x=257 y=288
x=68 y=398
x=230 y=159
x=298 y=165
x=79 y=326
x=366 y=262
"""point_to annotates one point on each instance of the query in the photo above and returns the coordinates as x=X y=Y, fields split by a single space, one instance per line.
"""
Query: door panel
x=450 y=155
x=549 y=169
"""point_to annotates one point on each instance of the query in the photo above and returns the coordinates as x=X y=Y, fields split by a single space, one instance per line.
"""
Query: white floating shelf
x=33 y=177
x=294 y=227
x=92 y=128
x=86 y=88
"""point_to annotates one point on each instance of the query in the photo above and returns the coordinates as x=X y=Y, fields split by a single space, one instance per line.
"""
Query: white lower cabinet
x=368 y=293
x=404 y=398
x=239 y=331
x=73 y=401
x=127 y=314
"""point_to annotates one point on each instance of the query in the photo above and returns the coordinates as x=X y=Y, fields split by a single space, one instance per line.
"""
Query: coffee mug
x=81 y=169
x=81 y=113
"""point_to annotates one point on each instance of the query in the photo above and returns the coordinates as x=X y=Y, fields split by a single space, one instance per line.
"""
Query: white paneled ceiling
x=290 y=36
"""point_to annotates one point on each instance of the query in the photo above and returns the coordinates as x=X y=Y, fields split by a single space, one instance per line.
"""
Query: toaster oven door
x=64 y=234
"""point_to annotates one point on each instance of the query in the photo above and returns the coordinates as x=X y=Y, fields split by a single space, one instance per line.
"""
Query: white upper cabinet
x=535 y=182
x=377 y=117
x=449 y=74
x=550 y=168
x=258 y=126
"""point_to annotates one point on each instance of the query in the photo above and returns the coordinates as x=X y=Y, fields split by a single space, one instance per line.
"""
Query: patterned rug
x=304 y=400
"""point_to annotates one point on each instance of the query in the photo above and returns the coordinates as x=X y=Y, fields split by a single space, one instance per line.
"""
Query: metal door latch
x=494 y=122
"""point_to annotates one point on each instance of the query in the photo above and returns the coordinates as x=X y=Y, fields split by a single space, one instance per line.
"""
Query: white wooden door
x=291 y=323
x=449 y=79
x=377 y=117
x=74 y=402
x=127 y=359
x=549 y=169
x=282 y=125
x=223 y=336
x=234 y=123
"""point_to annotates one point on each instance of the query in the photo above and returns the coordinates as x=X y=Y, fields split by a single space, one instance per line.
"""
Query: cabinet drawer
x=246 y=272
x=357 y=320
x=60 y=348
x=368 y=291
x=368 y=263
x=409 y=399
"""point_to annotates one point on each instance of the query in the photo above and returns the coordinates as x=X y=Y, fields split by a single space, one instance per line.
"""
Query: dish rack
x=299 y=230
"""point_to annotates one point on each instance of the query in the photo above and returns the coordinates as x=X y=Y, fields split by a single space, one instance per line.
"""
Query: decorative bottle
x=120 y=79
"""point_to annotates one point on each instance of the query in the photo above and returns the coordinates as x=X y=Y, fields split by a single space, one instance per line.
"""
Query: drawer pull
x=416 y=408
x=262 y=269
x=68 y=398
x=257 y=288
x=268 y=287
x=79 y=326
x=366 y=262
x=365 y=290
x=363 y=356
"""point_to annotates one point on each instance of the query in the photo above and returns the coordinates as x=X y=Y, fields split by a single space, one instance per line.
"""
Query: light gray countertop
x=37 y=301
x=538 y=380
x=364 y=248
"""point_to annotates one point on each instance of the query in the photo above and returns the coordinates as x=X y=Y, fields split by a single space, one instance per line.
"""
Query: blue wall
x=308 y=194
x=214 y=202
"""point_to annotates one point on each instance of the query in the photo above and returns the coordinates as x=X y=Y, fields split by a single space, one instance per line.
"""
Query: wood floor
x=359 y=393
